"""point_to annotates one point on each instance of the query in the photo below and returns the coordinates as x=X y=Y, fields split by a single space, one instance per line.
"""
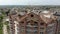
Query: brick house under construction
x=32 y=23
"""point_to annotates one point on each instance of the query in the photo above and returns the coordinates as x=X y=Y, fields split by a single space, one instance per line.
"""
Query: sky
x=29 y=2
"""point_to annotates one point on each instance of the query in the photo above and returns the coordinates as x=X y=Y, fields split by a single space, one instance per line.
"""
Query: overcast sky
x=29 y=2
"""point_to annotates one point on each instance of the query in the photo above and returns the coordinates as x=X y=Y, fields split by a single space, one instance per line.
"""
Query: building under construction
x=31 y=22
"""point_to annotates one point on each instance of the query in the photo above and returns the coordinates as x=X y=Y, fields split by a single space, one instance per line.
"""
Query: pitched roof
x=46 y=18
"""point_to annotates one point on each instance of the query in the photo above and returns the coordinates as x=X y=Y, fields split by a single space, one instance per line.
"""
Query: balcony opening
x=35 y=22
x=41 y=23
x=22 y=22
x=32 y=15
x=41 y=33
